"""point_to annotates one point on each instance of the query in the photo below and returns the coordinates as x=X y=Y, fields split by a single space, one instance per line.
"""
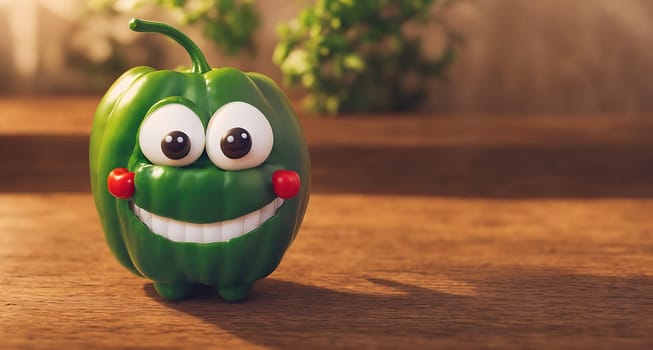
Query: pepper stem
x=200 y=65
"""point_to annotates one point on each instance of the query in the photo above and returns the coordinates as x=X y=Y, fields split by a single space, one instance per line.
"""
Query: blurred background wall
x=536 y=56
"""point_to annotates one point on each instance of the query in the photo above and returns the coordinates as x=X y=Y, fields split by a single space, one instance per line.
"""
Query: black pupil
x=175 y=145
x=236 y=143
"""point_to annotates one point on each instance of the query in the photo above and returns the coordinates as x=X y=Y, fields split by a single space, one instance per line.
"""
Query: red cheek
x=286 y=183
x=121 y=183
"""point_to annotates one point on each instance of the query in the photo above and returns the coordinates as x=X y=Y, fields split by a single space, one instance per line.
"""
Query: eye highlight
x=172 y=135
x=236 y=143
x=238 y=137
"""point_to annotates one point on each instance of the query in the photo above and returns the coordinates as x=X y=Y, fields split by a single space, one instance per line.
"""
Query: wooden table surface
x=445 y=232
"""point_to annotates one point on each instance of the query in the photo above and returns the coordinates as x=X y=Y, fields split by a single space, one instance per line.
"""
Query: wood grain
x=487 y=259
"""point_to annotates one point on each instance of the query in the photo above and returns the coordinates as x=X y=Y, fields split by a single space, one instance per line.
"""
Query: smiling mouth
x=222 y=231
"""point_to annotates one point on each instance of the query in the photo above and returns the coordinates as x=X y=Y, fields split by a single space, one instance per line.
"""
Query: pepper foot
x=174 y=291
x=235 y=293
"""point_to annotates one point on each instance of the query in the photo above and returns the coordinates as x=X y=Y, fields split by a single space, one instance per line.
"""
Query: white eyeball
x=172 y=135
x=238 y=137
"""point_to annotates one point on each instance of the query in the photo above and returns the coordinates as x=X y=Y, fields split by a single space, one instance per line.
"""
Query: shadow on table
x=51 y=163
x=509 y=307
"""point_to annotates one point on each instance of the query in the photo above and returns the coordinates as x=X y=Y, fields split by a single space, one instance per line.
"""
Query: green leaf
x=353 y=56
x=296 y=63
x=354 y=62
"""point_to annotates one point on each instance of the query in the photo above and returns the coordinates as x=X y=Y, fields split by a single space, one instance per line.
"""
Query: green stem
x=199 y=61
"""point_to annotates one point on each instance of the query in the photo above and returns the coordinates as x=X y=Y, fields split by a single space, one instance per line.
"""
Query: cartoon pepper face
x=200 y=177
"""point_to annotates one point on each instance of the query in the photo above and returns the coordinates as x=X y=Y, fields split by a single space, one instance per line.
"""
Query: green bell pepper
x=200 y=177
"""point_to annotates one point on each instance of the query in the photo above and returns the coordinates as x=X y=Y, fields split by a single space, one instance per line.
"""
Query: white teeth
x=176 y=231
x=268 y=211
x=232 y=229
x=145 y=216
x=212 y=233
x=160 y=225
x=180 y=231
x=251 y=221
x=194 y=233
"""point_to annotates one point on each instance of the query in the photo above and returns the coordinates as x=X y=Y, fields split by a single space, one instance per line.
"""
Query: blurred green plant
x=359 y=56
x=230 y=24
x=101 y=46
